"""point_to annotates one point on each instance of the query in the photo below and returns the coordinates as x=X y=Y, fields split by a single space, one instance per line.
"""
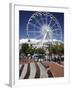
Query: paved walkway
x=56 y=69
x=35 y=69
x=40 y=70
x=23 y=73
x=32 y=70
x=43 y=71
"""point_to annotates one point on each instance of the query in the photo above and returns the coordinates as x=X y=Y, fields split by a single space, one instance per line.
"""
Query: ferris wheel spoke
x=53 y=25
x=38 y=22
x=46 y=19
x=33 y=31
x=41 y=18
x=58 y=26
x=55 y=30
x=61 y=35
x=35 y=26
x=50 y=22
x=39 y=36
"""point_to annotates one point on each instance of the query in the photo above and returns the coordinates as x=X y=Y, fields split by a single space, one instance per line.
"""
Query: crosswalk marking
x=20 y=66
x=24 y=71
x=32 y=70
x=28 y=72
x=37 y=71
x=43 y=72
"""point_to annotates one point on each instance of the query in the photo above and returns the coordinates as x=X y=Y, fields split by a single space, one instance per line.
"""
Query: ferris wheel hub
x=45 y=29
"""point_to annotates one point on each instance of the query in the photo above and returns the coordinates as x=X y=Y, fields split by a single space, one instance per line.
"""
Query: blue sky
x=24 y=17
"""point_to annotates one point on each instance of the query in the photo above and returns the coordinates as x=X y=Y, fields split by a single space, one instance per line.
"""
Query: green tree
x=30 y=51
x=25 y=46
x=40 y=51
x=61 y=49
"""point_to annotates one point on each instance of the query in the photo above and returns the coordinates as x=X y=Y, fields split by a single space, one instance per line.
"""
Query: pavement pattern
x=38 y=70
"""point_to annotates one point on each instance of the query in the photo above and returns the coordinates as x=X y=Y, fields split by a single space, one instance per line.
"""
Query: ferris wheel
x=44 y=26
